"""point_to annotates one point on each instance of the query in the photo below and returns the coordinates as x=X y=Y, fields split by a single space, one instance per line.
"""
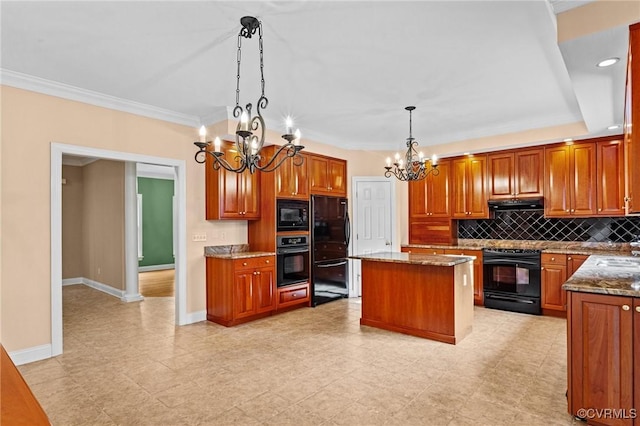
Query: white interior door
x=373 y=219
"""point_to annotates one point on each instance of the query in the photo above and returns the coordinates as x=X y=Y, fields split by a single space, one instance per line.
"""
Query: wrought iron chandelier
x=250 y=130
x=414 y=165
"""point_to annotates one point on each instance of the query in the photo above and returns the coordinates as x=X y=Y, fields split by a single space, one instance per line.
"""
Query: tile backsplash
x=532 y=225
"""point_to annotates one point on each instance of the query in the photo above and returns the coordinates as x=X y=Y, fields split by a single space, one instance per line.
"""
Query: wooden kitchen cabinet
x=631 y=114
x=610 y=176
x=469 y=187
x=231 y=195
x=430 y=197
x=556 y=269
x=601 y=356
x=516 y=174
x=570 y=180
x=293 y=295
x=293 y=181
x=478 y=288
x=239 y=290
x=328 y=176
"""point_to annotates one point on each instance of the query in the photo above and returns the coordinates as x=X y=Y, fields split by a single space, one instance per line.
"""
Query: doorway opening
x=131 y=249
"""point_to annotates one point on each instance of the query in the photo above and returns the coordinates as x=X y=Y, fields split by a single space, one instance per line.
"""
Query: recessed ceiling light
x=613 y=127
x=567 y=140
x=608 y=62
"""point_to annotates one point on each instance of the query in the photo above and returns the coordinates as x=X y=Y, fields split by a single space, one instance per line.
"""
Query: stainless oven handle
x=509 y=299
x=292 y=250
x=332 y=264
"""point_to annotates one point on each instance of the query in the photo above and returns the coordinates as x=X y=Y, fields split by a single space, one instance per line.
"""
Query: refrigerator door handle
x=347 y=228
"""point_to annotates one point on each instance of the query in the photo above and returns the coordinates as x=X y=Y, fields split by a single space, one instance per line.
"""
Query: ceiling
x=344 y=70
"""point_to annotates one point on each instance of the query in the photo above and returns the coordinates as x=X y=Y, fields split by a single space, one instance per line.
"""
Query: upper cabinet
x=430 y=197
x=291 y=180
x=328 y=176
x=570 y=180
x=610 y=177
x=469 y=187
x=516 y=174
x=631 y=113
x=231 y=195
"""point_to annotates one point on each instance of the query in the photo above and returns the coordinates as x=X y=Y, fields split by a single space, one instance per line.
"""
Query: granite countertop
x=560 y=247
x=236 y=251
x=415 y=258
x=614 y=275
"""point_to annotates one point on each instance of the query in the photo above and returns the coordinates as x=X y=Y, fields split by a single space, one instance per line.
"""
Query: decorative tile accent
x=532 y=225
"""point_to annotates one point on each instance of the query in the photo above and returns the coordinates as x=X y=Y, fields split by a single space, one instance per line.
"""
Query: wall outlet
x=199 y=237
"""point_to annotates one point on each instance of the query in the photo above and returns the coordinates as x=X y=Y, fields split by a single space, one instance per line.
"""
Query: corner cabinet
x=631 y=114
x=603 y=348
x=516 y=174
x=570 y=180
x=469 y=187
x=231 y=195
x=328 y=176
x=240 y=290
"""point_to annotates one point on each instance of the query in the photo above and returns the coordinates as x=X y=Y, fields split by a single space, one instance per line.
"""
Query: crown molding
x=219 y=114
x=65 y=91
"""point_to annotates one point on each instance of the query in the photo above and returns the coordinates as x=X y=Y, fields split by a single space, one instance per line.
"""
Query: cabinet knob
x=637 y=308
x=244 y=263
x=625 y=307
x=267 y=261
x=599 y=210
x=542 y=268
x=553 y=258
x=569 y=258
x=257 y=272
x=573 y=210
x=293 y=295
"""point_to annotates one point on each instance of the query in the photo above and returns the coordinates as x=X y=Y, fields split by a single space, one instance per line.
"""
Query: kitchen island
x=428 y=296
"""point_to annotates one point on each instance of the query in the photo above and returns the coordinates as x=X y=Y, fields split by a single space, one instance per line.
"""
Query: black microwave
x=292 y=215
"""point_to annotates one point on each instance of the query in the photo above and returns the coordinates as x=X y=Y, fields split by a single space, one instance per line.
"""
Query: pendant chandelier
x=251 y=129
x=414 y=165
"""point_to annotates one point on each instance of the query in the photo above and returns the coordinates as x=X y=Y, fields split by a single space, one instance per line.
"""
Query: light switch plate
x=199 y=237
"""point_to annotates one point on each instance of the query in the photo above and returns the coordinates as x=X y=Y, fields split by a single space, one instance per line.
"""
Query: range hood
x=522 y=204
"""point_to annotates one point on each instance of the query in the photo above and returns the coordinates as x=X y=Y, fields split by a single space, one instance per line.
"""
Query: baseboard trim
x=73 y=281
x=156 y=267
x=36 y=353
x=103 y=288
x=194 y=317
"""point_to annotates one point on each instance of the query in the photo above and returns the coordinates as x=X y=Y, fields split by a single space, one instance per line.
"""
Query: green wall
x=157 y=221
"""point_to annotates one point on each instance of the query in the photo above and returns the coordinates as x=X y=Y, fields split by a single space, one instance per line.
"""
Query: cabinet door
x=501 y=175
x=338 y=177
x=574 y=261
x=318 y=170
x=291 y=180
x=244 y=303
x=265 y=289
x=438 y=191
x=250 y=195
x=477 y=187
x=583 y=179
x=610 y=178
x=418 y=199
x=601 y=354
x=554 y=274
x=529 y=179
x=631 y=114
x=459 y=188
x=557 y=182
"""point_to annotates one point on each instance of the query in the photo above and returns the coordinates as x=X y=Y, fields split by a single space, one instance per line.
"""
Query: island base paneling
x=433 y=302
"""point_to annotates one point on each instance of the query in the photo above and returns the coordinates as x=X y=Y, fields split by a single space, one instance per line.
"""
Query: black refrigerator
x=330 y=233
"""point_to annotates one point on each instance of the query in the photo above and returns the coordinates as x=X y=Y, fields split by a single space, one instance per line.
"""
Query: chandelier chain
x=260 y=44
x=239 y=59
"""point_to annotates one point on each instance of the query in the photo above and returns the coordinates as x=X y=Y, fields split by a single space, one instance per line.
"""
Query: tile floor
x=128 y=364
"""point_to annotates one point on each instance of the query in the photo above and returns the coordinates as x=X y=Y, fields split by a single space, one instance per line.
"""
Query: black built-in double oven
x=292 y=242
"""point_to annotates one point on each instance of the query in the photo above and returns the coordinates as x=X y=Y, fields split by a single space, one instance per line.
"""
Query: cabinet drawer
x=553 y=259
x=254 y=262
x=293 y=295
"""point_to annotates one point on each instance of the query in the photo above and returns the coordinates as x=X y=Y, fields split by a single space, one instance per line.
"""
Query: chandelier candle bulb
x=288 y=126
x=244 y=121
x=298 y=135
x=434 y=160
x=216 y=144
x=389 y=162
x=203 y=134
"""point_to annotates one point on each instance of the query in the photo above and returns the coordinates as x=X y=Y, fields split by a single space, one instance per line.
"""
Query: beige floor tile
x=128 y=364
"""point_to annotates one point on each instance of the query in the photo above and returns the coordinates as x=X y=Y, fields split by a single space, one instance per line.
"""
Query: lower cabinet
x=239 y=290
x=556 y=269
x=478 y=288
x=603 y=348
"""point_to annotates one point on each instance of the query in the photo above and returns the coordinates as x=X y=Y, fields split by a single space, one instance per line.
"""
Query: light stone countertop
x=616 y=275
x=415 y=258
x=237 y=251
